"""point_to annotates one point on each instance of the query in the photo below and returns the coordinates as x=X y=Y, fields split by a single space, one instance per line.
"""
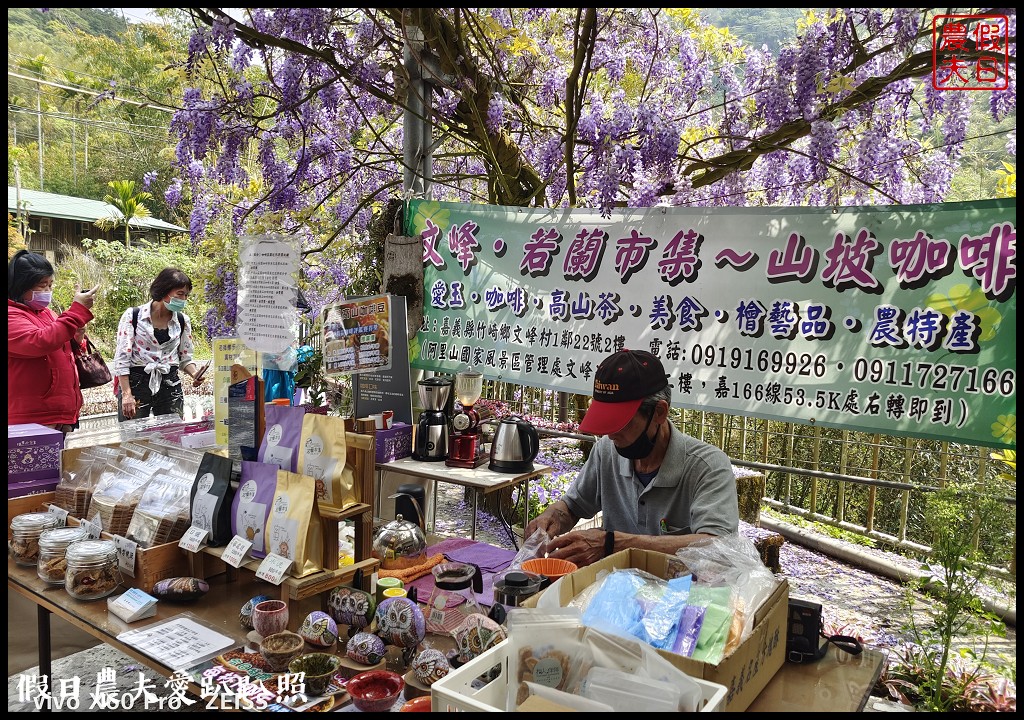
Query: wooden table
x=219 y=607
x=481 y=480
x=839 y=682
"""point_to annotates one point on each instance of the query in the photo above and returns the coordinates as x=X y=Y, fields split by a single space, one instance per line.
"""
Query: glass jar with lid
x=92 y=569
x=52 y=544
x=25 y=531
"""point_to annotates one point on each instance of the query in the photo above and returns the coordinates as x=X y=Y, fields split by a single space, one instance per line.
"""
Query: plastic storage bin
x=459 y=691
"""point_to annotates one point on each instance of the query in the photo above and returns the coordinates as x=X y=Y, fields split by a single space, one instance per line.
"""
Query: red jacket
x=42 y=379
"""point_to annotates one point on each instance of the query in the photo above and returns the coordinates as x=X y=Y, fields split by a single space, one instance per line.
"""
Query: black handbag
x=92 y=368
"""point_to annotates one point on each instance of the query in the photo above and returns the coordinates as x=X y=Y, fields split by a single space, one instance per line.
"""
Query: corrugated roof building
x=57 y=221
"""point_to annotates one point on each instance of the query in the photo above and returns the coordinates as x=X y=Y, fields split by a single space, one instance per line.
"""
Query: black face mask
x=641 y=447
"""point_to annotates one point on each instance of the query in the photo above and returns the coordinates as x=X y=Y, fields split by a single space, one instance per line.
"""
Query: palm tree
x=129 y=203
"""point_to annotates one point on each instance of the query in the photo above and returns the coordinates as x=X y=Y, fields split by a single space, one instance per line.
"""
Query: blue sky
x=138 y=14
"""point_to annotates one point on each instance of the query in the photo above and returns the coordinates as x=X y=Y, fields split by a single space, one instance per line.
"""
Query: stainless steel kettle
x=515 y=445
x=400 y=544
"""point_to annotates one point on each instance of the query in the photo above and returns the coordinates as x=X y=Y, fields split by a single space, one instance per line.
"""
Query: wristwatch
x=609 y=542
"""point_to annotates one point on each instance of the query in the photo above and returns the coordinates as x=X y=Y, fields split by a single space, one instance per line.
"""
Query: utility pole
x=417 y=147
x=39 y=131
x=17 y=199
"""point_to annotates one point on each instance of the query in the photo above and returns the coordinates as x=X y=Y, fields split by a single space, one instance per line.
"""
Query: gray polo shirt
x=694 y=491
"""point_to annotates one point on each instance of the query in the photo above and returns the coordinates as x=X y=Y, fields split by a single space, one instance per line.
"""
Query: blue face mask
x=175 y=305
x=40 y=300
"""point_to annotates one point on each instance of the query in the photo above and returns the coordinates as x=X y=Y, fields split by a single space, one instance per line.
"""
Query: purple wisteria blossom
x=658 y=110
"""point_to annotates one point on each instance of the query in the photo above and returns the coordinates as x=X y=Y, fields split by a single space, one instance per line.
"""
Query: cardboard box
x=31 y=487
x=746 y=671
x=394 y=443
x=33 y=452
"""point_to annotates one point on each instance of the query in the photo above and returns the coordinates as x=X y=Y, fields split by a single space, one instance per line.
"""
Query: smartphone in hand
x=201 y=373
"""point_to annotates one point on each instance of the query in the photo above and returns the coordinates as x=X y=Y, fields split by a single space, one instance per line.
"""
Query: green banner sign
x=899 y=320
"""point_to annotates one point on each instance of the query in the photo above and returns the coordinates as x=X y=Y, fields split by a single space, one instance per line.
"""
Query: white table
x=482 y=480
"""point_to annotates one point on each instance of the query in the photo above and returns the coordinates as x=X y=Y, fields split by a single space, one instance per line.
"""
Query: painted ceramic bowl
x=430 y=666
x=281 y=648
x=400 y=622
x=319 y=669
x=245 y=614
x=319 y=629
x=375 y=690
x=366 y=648
x=269 y=617
x=350 y=606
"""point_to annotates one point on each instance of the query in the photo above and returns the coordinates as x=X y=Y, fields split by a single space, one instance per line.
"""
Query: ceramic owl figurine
x=319 y=629
x=366 y=648
x=477 y=634
x=400 y=622
x=351 y=607
x=430 y=666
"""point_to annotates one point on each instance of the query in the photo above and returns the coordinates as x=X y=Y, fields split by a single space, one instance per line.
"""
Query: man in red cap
x=656 y=488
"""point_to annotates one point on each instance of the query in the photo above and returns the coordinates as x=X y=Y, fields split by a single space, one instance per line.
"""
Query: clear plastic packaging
x=544 y=648
x=733 y=561
x=92 y=569
x=163 y=513
x=52 y=546
x=631 y=693
x=25 y=531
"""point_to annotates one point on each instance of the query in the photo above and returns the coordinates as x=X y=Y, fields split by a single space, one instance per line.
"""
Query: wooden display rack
x=292 y=589
x=169 y=560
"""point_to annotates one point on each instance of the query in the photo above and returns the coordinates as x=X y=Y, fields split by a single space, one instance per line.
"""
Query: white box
x=455 y=692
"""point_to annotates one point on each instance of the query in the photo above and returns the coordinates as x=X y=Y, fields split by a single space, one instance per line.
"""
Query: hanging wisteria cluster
x=294 y=117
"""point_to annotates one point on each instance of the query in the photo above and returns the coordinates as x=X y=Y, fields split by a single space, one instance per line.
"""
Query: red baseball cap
x=621 y=383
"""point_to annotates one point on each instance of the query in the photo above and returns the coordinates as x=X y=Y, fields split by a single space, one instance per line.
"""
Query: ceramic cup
x=384 y=583
x=269 y=617
x=395 y=592
x=378 y=421
x=387 y=415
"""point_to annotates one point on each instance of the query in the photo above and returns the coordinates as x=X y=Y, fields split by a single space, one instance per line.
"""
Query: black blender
x=434 y=426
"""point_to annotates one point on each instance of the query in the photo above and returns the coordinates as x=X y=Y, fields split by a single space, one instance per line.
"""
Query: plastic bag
x=638 y=604
x=733 y=561
x=544 y=648
x=533 y=547
x=636 y=668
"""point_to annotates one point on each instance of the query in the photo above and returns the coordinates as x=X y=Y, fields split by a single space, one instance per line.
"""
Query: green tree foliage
x=104 y=88
x=124 y=276
x=129 y=203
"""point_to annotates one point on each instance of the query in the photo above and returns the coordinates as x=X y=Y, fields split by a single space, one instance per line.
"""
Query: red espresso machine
x=466 y=444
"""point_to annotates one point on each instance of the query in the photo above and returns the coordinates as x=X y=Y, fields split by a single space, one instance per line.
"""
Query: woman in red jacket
x=42 y=379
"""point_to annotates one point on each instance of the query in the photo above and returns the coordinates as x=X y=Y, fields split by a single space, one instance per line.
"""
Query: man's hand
x=579 y=546
x=548 y=522
x=554 y=520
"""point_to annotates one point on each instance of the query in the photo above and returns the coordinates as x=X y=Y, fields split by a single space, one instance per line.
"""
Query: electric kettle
x=514 y=447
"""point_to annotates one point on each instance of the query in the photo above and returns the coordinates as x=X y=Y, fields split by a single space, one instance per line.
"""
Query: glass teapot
x=453 y=596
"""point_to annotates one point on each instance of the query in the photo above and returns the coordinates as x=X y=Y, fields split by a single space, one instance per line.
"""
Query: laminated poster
x=357 y=335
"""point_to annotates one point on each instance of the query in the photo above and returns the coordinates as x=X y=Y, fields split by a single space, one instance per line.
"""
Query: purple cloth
x=489 y=558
